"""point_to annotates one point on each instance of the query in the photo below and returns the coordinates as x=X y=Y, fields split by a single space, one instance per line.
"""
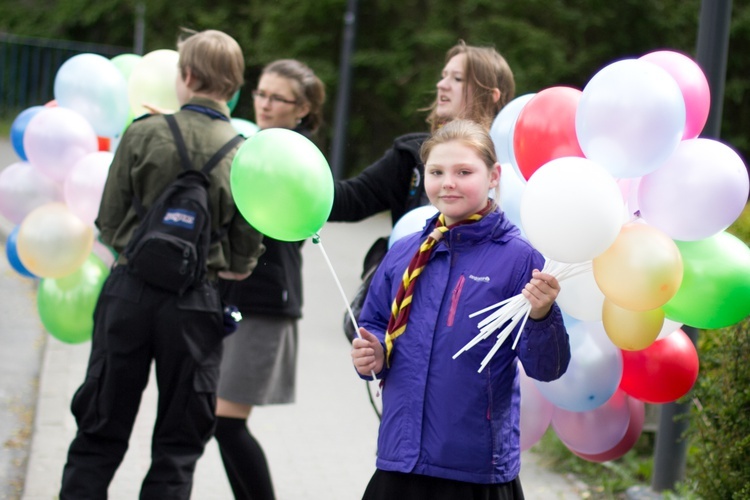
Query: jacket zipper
x=454 y=299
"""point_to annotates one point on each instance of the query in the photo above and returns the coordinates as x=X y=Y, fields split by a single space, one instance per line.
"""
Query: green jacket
x=146 y=161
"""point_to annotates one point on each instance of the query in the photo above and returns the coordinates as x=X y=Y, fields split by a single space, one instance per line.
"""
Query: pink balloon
x=635 y=427
x=24 y=188
x=84 y=185
x=56 y=138
x=693 y=84
x=594 y=431
x=536 y=411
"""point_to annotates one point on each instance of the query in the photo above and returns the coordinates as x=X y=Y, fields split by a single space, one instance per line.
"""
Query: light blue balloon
x=245 y=128
x=593 y=374
x=412 y=221
x=502 y=129
x=93 y=86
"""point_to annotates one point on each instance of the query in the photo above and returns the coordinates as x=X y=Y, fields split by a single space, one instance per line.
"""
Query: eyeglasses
x=273 y=98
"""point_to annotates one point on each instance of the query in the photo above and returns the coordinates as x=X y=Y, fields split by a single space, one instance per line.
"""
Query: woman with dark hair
x=260 y=358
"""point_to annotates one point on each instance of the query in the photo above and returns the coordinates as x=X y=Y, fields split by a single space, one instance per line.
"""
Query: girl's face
x=450 y=88
x=457 y=181
x=276 y=104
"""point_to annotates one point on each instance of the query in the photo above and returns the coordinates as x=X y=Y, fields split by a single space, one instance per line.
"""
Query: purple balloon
x=56 y=138
x=24 y=188
x=698 y=192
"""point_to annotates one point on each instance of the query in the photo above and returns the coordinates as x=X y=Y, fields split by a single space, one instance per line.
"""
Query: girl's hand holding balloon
x=367 y=353
x=541 y=293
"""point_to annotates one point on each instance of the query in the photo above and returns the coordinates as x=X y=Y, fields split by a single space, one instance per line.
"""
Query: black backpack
x=170 y=247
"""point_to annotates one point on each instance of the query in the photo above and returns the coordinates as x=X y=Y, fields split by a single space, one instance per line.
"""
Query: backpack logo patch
x=180 y=218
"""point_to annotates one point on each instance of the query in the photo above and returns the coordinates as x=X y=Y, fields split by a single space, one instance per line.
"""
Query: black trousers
x=134 y=324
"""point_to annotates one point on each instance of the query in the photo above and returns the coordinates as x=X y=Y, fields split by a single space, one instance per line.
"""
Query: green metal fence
x=28 y=67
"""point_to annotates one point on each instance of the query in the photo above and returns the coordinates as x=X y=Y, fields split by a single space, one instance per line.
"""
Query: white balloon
x=411 y=222
x=581 y=298
x=152 y=81
x=571 y=209
x=668 y=328
x=630 y=118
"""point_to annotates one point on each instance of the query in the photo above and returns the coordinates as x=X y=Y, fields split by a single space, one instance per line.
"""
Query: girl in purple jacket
x=447 y=430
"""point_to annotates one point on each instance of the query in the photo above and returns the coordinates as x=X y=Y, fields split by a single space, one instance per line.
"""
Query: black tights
x=244 y=460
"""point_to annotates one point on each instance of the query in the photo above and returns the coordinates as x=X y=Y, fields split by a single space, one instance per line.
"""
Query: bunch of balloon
x=624 y=192
x=52 y=193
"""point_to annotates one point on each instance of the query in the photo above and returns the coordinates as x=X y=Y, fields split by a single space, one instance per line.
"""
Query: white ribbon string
x=316 y=240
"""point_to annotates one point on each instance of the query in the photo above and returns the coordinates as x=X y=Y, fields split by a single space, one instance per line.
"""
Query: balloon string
x=316 y=240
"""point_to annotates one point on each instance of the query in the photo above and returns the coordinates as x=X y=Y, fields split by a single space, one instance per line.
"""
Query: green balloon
x=125 y=63
x=715 y=290
x=66 y=305
x=282 y=184
x=232 y=103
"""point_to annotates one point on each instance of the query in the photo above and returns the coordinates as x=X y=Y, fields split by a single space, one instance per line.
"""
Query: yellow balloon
x=641 y=270
x=152 y=81
x=631 y=330
x=53 y=242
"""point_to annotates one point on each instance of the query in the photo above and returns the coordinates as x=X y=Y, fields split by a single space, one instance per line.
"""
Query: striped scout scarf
x=402 y=303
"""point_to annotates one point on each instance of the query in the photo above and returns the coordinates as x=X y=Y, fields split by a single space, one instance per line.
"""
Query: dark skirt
x=386 y=485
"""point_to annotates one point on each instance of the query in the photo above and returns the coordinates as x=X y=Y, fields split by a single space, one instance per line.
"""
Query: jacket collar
x=216 y=106
x=494 y=226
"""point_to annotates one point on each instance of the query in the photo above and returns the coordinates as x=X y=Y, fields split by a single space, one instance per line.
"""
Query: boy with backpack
x=175 y=234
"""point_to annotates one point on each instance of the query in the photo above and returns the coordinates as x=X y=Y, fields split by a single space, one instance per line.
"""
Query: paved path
x=320 y=448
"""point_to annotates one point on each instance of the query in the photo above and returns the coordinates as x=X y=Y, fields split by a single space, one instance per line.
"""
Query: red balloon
x=546 y=129
x=104 y=143
x=635 y=427
x=663 y=372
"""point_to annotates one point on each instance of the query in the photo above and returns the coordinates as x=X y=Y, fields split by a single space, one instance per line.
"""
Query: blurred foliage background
x=400 y=46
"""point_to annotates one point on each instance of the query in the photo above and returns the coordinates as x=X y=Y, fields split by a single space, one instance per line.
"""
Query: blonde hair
x=470 y=134
x=215 y=61
x=485 y=71
x=307 y=86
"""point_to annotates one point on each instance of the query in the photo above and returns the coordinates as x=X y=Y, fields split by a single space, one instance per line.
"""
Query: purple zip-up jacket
x=441 y=417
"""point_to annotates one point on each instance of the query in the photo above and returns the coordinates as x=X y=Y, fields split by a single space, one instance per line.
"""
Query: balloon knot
x=316 y=238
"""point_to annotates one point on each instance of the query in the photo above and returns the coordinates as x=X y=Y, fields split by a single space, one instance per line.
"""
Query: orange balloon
x=53 y=242
x=641 y=270
x=631 y=330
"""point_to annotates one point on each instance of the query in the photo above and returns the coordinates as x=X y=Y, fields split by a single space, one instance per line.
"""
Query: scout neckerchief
x=402 y=303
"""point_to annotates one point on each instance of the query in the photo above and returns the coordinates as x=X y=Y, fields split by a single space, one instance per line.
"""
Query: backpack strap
x=226 y=148
x=210 y=164
x=179 y=142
